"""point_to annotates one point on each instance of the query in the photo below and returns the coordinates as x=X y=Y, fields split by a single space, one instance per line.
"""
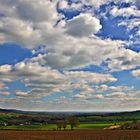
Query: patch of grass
x=29 y=127
x=54 y=127
x=94 y=126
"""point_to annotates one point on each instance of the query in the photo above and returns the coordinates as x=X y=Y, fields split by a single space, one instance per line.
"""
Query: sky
x=70 y=55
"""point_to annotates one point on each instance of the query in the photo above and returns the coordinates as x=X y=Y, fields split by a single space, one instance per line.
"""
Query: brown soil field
x=71 y=135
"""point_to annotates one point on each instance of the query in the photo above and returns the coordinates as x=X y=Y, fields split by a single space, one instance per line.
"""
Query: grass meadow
x=53 y=126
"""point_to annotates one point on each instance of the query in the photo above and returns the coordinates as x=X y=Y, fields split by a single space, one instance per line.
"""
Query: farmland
x=14 y=117
x=71 y=135
x=19 y=125
x=53 y=126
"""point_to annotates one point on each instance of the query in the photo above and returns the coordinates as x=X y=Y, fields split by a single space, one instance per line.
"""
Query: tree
x=59 y=125
x=73 y=122
x=64 y=124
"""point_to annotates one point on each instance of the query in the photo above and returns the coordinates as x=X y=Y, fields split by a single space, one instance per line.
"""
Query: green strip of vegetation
x=54 y=127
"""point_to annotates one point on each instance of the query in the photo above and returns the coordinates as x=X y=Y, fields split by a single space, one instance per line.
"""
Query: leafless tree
x=73 y=122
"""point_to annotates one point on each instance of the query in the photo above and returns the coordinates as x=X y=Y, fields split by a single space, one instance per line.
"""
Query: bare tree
x=61 y=124
x=73 y=122
x=64 y=124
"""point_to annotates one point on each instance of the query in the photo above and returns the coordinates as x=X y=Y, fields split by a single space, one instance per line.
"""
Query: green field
x=30 y=127
x=53 y=126
x=94 y=126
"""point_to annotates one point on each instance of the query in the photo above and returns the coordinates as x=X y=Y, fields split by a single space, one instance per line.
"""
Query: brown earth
x=71 y=135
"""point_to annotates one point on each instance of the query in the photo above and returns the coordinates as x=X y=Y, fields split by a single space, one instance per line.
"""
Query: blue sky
x=70 y=55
